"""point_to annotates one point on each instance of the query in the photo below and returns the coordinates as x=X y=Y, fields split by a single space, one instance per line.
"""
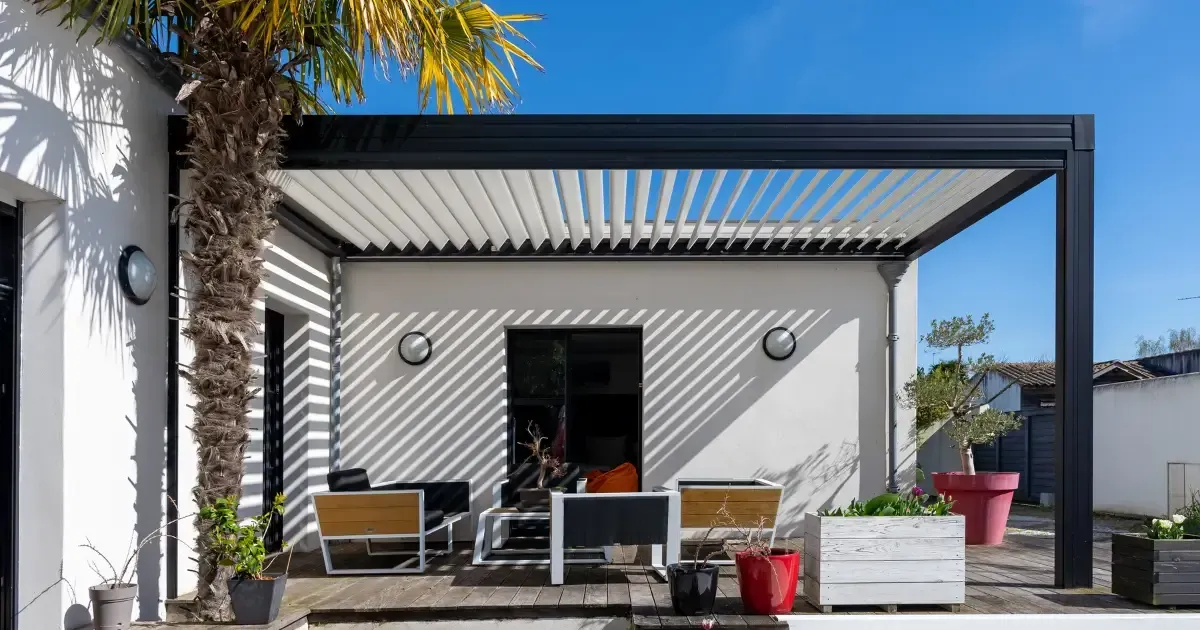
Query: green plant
x=240 y=545
x=912 y=503
x=1167 y=528
x=949 y=394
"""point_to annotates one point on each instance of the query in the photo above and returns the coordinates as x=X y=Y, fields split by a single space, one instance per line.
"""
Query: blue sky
x=1135 y=64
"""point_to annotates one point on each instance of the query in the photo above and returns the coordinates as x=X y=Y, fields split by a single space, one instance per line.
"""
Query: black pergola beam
x=306 y=231
x=1012 y=186
x=1074 y=259
x=673 y=141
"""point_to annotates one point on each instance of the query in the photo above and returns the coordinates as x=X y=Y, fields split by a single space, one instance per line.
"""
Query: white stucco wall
x=714 y=404
x=1144 y=425
x=83 y=145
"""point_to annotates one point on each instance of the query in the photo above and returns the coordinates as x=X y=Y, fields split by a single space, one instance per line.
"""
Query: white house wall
x=83 y=145
x=298 y=286
x=1154 y=419
x=714 y=404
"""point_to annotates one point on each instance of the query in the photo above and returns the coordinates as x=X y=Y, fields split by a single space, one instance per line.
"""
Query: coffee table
x=490 y=552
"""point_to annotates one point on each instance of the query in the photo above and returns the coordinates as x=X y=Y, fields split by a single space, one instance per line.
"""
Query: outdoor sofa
x=356 y=510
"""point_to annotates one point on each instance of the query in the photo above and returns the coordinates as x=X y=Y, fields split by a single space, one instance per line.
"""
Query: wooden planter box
x=1156 y=572
x=884 y=560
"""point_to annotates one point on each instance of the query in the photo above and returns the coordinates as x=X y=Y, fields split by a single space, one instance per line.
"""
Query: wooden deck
x=1016 y=577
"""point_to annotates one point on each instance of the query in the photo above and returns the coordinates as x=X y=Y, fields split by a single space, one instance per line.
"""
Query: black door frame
x=510 y=430
x=273 y=429
x=10 y=435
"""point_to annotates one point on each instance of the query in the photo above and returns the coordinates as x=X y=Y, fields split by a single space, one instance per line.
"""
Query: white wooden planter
x=884 y=560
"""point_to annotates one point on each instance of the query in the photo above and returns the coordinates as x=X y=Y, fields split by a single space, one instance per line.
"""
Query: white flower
x=1158 y=522
x=1177 y=519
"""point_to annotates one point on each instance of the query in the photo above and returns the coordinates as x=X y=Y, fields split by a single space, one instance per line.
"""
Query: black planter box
x=1156 y=572
x=693 y=589
x=256 y=601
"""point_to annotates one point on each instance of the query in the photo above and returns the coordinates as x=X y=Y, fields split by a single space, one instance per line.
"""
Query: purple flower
x=917 y=491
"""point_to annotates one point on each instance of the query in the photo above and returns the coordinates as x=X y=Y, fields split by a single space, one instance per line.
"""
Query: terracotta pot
x=983 y=499
x=768 y=583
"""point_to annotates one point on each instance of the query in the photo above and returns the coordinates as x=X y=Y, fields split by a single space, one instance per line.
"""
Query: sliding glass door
x=580 y=388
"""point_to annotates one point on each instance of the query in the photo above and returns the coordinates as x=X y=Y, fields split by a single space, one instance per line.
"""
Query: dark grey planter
x=256 y=601
x=1156 y=572
x=112 y=606
x=534 y=498
x=693 y=589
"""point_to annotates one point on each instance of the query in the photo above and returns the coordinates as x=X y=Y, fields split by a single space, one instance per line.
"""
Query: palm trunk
x=967 y=456
x=234 y=124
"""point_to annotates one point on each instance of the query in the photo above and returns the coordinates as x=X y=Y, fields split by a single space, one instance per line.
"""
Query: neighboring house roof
x=1041 y=373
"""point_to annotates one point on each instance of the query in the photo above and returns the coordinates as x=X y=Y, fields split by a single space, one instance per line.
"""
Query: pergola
x=670 y=187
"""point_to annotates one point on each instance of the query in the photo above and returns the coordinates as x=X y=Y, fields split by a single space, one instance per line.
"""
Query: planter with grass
x=893 y=550
x=255 y=593
x=1160 y=567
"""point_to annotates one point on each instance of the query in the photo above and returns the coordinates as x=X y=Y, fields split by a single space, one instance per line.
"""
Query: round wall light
x=779 y=343
x=137 y=275
x=415 y=348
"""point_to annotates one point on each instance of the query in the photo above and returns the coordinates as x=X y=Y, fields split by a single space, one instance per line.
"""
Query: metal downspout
x=892 y=272
x=335 y=363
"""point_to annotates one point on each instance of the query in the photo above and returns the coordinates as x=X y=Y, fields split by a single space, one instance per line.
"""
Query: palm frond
x=461 y=51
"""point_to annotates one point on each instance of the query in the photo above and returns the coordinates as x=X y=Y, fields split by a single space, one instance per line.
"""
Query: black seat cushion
x=348 y=480
x=433 y=518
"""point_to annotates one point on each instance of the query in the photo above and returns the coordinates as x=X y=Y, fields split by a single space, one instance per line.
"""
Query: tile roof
x=1041 y=373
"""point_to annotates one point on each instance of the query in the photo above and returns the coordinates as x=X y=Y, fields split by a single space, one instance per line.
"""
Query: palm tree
x=247 y=64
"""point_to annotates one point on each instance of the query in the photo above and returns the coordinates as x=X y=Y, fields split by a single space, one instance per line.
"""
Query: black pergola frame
x=1036 y=147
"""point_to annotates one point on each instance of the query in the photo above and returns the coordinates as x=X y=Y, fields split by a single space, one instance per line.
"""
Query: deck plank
x=1016 y=577
x=596 y=593
x=526 y=596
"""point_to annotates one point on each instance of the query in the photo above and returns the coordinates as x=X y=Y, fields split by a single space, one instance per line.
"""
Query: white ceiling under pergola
x=574 y=210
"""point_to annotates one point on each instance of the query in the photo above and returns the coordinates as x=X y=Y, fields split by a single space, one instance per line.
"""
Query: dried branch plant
x=548 y=464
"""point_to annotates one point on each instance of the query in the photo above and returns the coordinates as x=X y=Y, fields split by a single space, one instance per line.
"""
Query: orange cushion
x=623 y=478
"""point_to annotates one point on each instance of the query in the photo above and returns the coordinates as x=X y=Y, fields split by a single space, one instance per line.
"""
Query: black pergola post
x=1073 y=359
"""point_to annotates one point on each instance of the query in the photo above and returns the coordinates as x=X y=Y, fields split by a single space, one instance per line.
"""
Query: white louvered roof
x=584 y=210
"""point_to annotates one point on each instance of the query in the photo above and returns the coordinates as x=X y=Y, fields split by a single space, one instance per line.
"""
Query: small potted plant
x=949 y=397
x=767 y=576
x=254 y=594
x=1159 y=567
x=693 y=586
x=549 y=467
x=896 y=549
x=113 y=598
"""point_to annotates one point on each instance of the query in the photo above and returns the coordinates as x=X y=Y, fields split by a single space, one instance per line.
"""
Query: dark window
x=273 y=424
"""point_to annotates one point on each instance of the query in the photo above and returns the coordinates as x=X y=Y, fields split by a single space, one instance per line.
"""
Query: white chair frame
x=419 y=556
x=669 y=551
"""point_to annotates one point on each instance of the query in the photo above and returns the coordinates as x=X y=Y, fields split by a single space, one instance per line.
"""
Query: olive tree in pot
x=254 y=594
x=950 y=397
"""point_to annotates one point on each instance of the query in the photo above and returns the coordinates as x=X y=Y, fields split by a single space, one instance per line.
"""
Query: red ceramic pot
x=983 y=499
x=768 y=583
